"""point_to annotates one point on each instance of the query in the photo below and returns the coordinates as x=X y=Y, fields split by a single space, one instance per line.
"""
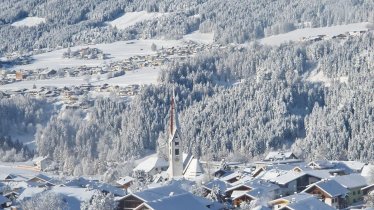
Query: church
x=180 y=165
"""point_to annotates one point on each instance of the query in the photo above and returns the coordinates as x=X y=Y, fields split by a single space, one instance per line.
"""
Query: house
x=4 y=202
x=284 y=201
x=330 y=192
x=353 y=183
x=186 y=201
x=152 y=165
x=320 y=164
x=310 y=203
x=43 y=180
x=96 y=185
x=125 y=182
x=273 y=156
x=42 y=163
x=134 y=200
x=252 y=190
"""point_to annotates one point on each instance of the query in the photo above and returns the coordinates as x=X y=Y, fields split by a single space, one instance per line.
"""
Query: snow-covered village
x=280 y=181
x=186 y=105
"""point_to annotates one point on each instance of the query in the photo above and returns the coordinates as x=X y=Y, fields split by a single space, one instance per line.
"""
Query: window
x=177 y=143
x=354 y=192
x=176 y=151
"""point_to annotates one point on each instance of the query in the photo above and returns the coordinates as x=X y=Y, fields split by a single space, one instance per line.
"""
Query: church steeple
x=175 y=143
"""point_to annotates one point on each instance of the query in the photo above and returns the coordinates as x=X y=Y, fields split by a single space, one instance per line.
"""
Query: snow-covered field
x=132 y=18
x=147 y=75
x=29 y=22
x=117 y=50
x=204 y=38
x=296 y=35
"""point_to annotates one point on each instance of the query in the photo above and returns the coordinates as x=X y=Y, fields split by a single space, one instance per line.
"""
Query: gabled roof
x=93 y=184
x=44 y=179
x=193 y=169
x=351 y=181
x=159 y=192
x=293 y=198
x=279 y=156
x=150 y=163
x=185 y=201
x=125 y=180
x=288 y=177
x=330 y=187
x=321 y=164
x=310 y=203
x=217 y=183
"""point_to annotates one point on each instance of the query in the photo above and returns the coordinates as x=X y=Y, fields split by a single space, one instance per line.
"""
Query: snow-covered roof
x=330 y=187
x=45 y=179
x=367 y=170
x=3 y=200
x=351 y=181
x=38 y=159
x=288 y=177
x=231 y=176
x=193 y=169
x=310 y=203
x=125 y=180
x=321 y=164
x=150 y=163
x=353 y=165
x=294 y=198
x=92 y=184
x=217 y=183
x=74 y=195
x=160 y=192
x=238 y=193
x=279 y=156
x=30 y=192
x=185 y=201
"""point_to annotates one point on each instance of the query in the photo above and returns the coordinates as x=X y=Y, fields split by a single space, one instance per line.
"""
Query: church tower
x=175 y=143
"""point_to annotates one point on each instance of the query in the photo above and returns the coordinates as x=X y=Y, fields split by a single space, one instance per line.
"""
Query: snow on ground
x=117 y=50
x=146 y=75
x=14 y=168
x=132 y=18
x=29 y=22
x=196 y=36
x=296 y=35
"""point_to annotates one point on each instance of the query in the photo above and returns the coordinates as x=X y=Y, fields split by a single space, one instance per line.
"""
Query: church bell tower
x=174 y=143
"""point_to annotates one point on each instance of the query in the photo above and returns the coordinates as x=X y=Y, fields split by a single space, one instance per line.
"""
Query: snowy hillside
x=205 y=38
x=132 y=18
x=116 y=50
x=147 y=75
x=29 y=22
x=298 y=34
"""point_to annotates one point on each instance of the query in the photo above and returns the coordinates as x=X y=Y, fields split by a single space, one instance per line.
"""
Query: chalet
x=252 y=190
x=353 y=183
x=125 y=182
x=43 y=180
x=11 y=178
x=310 y=203
x=186 y=201
x=273 y=156
x=330 y=192
x=134 y=200
x=152 y=165
x=42 y=163
x=368 y=189
x=95 y=185
x=284 y=201
x=320 y=164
